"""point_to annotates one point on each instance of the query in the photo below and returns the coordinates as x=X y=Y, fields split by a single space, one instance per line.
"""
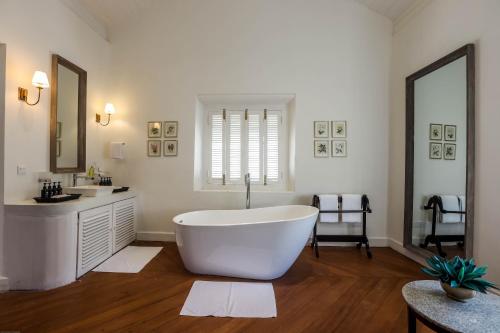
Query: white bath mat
x=230 y=299
x=131 y=259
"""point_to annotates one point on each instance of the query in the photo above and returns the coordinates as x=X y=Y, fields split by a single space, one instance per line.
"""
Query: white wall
x=33 y=30
x=438 y=29
x=334 y=55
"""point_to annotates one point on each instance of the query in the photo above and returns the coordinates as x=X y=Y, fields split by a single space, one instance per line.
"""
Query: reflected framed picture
x=321 y=129
x=339 y=148
x=436 y=132
x=170 y=148
x=321 y=148
x=450 y=133
x=154 y=129
x=58 y=148
x=58 y=130
x=339 y=129
x=435 y=150
x=170 y=129
x=449 y=151
x=154 y=148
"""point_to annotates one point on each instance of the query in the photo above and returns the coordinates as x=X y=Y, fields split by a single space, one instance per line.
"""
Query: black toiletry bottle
x=59 y=188
x=110 y=183
x=43 y=193
x=54 y=189
x=49 y=191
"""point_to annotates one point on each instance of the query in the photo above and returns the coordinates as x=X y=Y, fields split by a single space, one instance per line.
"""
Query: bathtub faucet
x=247 y=184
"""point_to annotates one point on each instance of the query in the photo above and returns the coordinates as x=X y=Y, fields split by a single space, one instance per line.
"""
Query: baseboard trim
x=159 y=236
x=4 y=284
x=374 y=242
x=398 y=247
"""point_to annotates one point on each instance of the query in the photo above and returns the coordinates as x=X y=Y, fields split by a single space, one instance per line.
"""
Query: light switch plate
x=21 y=170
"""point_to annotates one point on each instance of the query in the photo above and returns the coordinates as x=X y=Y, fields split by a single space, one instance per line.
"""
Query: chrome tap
x=247 y=184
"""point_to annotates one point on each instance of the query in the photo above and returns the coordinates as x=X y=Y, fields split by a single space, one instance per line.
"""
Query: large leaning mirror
x=439 y=189
x=67 y=117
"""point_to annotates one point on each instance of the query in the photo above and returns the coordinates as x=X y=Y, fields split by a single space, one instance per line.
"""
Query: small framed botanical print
x=58 y=148
x=154 y=148
x=450 y=150
x=339 y=148
x=154 y=129
x=435 y=150
x=170 y=129
x=436 y=132
x=321 y=148
x=321 y=129
x=339 y=129
x=58 y=129
x=450 y=133
x=170 y=148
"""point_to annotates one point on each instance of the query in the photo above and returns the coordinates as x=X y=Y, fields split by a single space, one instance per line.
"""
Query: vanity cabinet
x=51 y=245
x=104 y=231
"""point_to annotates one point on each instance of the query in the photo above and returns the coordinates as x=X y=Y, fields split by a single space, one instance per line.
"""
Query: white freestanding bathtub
x=259 y=243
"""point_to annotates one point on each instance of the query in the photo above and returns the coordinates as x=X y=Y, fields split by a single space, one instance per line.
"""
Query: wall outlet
x=21 y=170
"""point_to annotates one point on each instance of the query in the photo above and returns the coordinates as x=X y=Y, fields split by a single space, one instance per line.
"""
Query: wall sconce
x=39 y=81
x=109 y=109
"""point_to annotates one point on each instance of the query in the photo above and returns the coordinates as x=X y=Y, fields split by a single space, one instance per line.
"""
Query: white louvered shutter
x=234 y=155
x=273 y=125
x=216 y=124
x=124 y=217
x=254 y=146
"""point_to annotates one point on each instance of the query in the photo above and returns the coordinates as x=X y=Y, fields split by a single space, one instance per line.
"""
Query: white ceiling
x=104 y=15
x=392 y=9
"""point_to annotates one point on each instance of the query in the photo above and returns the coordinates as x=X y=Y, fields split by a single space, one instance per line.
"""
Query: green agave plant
x=458 y=273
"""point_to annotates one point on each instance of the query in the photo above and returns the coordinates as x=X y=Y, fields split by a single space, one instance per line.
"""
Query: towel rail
x=359 y=239
x=435 y=203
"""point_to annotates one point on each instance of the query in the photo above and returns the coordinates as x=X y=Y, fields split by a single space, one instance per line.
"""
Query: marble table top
x=479 y=314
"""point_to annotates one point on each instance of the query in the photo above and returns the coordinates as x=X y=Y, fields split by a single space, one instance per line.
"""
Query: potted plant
x=460 y=278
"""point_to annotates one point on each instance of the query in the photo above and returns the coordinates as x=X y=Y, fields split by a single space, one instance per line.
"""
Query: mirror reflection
x=67 y=118
x=440 y=159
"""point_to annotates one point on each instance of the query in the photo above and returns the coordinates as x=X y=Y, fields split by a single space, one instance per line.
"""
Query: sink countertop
x=32 y=208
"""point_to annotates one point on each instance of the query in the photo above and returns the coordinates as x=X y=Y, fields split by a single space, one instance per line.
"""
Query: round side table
x=428 y=303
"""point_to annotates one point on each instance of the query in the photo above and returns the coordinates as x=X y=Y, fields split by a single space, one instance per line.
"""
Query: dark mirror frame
x=82 y=115
x=468 y=52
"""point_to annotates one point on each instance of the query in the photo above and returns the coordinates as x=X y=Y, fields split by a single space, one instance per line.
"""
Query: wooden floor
x=342 y=291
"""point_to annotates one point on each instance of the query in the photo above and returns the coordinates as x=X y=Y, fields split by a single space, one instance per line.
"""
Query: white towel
x=351 y=202
x=451 y=203
x=329 y=202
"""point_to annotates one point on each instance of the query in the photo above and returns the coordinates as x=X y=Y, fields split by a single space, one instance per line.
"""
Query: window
x=245 y=141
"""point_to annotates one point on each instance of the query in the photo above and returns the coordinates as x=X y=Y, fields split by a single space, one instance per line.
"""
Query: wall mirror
x=67 y=116
x=439 y=186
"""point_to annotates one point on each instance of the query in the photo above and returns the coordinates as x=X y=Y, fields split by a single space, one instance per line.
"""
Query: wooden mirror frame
x=82 y=116
x=468 y=52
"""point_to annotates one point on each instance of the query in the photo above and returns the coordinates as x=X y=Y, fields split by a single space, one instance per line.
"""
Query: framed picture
x=154 y=148
x=339 y=129
x=170 y=148
x=436 y=132
x=58 y=148
x=170 y=128
x=450 y=150
x=58 y=129
x=154 y=129
x=435 y=150
x=339 y=148
x=321 y=148
x=450 y=133
x=321 y=129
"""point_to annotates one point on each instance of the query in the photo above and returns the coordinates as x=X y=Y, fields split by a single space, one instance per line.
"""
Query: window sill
x=274 y=191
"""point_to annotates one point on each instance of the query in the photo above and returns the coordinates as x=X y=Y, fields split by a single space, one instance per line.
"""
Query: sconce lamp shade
x=109 y=109
x=40 y=80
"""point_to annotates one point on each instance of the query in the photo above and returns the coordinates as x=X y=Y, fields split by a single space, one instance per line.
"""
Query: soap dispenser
x=43 y=193
x=59 y=188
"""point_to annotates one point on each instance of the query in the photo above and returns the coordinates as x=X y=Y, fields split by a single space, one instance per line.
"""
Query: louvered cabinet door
x=124 y=221
x=95 y=237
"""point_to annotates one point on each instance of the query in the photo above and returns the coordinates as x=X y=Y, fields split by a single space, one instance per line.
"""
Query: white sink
x=89 y=190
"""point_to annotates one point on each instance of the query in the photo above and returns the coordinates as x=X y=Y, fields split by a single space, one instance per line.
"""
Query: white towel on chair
x=451 y=203
x=329 y=202
x=351 y=202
